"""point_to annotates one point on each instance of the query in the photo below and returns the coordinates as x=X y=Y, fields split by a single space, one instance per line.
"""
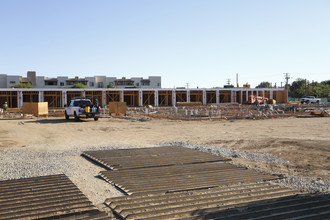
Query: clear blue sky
x=200 y=42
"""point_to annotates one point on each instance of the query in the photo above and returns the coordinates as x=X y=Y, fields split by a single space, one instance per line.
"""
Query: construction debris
x=229 y=111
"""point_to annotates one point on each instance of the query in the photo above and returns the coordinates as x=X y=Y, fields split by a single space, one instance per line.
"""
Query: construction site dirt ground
x=304 y=142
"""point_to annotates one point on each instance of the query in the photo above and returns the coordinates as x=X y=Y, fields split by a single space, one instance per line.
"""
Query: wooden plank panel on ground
x=180 y=177
x=150 y=157
x=199 y=204
x=51 y=196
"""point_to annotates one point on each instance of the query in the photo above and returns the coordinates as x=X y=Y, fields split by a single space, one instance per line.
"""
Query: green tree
x=79 y=86
x=110 y=86
x=23 y=85
x=264 y=85
x=297 y=88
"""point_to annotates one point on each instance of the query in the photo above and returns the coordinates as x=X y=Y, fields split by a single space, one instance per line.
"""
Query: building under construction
x=57 y=98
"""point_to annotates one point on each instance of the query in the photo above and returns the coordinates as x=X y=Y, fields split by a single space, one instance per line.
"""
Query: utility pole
x=287 y=77
x=228 y=81
x=187 y=85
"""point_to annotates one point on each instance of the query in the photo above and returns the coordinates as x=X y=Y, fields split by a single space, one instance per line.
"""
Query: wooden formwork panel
x=203 y=204
x=150 y=157
x=280 y=96
x=180 y=177
x=35 y=108
x=52 y=196
x=189 y=104
x=117 y=107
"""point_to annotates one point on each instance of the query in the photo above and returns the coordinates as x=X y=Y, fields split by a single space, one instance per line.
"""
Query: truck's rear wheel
x=76 y=118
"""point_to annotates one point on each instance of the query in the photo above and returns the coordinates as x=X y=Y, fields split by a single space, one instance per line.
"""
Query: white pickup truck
x=310 y=99
x=82 y=107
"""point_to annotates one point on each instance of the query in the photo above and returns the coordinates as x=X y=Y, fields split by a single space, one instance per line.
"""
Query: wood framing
x=148 y=98
x=196 y=96
x=131 y=98
x=95 y=95
x=165 y=98
x=225 y=96
x=211 y=97
x=30 y=96
x=73 y=94
x=112 y=96
x=181 y=96
x=10 y=97
x=54 y=98
x=57 y=98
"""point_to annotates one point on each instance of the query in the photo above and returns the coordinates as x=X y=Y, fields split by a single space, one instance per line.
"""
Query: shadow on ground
x=57 y=121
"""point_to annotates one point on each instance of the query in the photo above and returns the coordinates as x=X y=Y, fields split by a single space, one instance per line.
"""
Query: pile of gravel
x=224 y=152
x=24 y=162
x=309 y=184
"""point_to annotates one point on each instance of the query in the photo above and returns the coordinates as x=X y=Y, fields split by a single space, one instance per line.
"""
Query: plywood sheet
x=117 y=107
x=35 y=108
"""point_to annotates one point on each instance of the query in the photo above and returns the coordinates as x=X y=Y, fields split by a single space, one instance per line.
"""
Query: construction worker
x=5 y=106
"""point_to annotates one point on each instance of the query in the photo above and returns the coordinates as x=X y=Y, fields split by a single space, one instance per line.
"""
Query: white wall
x=110 y=80
x=14 y=79
x=100 y=79
x=61 y=79
x=3 y=81
x=155 y=81
x=40 y=82
x=137 y=81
